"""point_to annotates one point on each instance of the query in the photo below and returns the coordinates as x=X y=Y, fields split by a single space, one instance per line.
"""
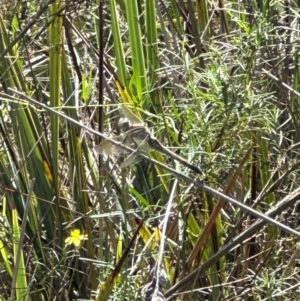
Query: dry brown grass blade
x=240 y=238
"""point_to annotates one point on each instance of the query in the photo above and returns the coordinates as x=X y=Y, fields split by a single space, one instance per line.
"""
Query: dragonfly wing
x=131 y=159
x=136 y=138
x=135 y=157
x=110 y=149
x=135 y=120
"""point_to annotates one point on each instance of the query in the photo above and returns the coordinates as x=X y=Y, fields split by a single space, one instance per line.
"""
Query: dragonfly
x=137 y=136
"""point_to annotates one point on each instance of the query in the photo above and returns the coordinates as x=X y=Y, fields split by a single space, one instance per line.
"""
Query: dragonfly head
x=124 y=124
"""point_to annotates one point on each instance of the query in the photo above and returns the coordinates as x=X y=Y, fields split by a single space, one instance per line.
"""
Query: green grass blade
x=118 y=45
x=139 y=78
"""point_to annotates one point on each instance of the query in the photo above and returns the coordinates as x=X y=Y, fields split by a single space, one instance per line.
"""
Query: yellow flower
x=75 y=238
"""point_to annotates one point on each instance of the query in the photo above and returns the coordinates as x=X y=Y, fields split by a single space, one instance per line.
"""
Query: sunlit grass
x=218 y=85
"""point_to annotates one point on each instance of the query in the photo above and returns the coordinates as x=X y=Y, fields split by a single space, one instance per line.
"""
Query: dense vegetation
x=218 y=83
